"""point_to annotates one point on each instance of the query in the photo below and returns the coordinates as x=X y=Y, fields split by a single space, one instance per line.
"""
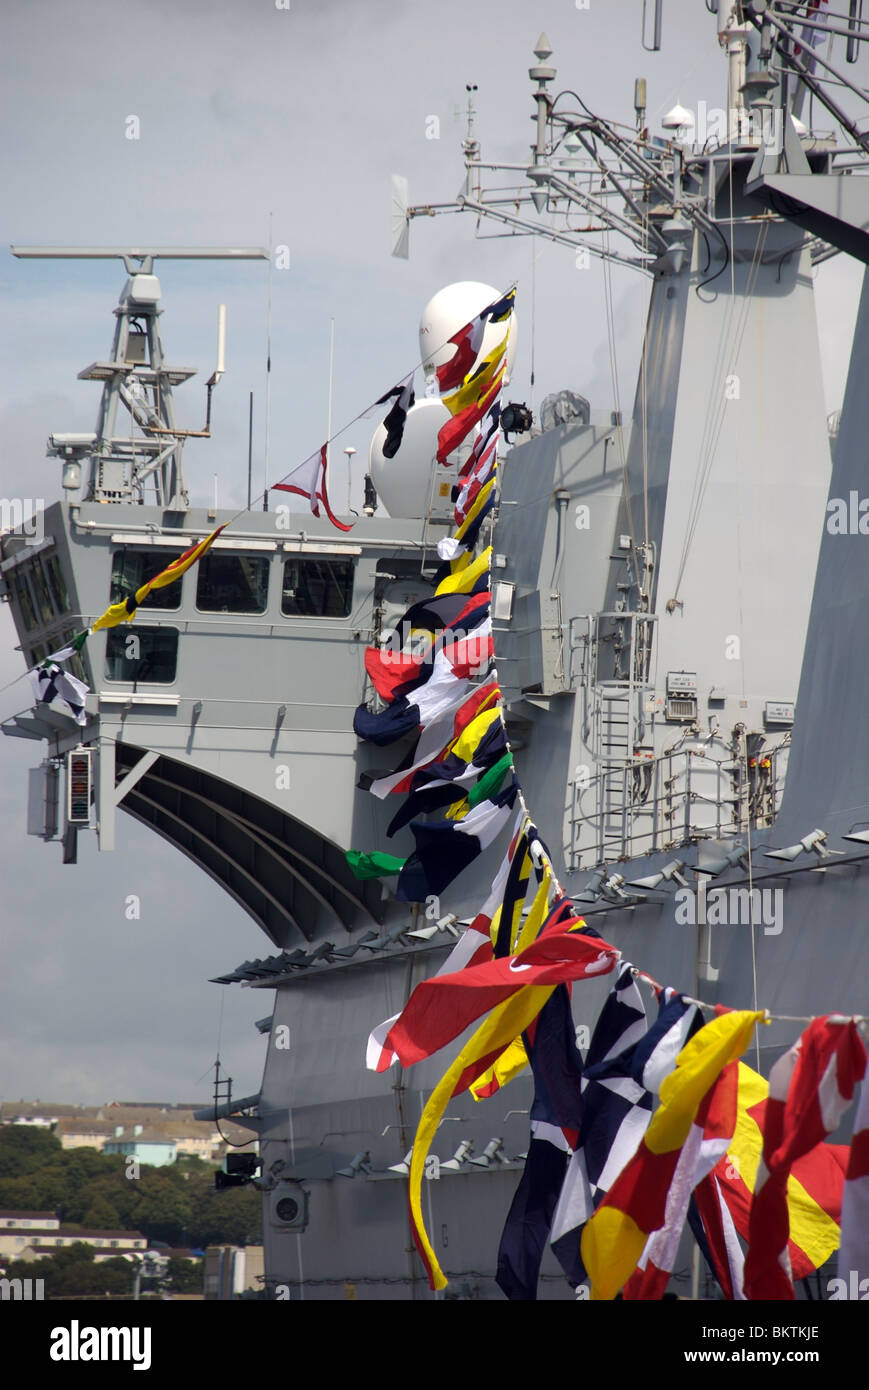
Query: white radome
x=448 y=311
x=403 y=483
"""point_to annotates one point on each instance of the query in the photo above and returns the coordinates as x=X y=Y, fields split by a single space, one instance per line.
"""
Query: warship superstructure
x=677 y=605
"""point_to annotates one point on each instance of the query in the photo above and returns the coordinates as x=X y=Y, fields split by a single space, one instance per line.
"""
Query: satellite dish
x=448 y=311
x=404 y=483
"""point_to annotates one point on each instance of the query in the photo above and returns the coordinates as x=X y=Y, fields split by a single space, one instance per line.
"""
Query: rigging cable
x=268 y=402
x=533 y=320
x=712 y=278
x=751 y=900
x=644 y=417
x=752 y=922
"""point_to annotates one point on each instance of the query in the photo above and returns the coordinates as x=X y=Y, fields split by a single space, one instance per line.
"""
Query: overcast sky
x=248 y=112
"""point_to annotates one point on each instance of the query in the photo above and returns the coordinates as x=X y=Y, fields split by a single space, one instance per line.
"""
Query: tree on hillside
x=24 y=1149
x=185 y=1276
x=233 y=1217
x=23 y=1194
x=79 y=1165
x=176 y=1203
x=73 y=1270
x=160 y=1206
x=101 y=1215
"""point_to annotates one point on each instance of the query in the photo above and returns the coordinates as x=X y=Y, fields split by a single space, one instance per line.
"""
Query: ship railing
x=667 y=803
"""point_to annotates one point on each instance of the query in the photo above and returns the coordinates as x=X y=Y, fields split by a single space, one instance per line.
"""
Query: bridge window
x=317 y=588
x=133 y=568
x=40 y=589
x=232 y=583
x=21 y=593
x=57 y=583
x=142 y=655
x=74 y=663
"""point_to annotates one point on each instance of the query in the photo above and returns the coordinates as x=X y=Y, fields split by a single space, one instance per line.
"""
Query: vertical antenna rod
x=249 y=450
x=221 y=340
x=268 y=375
x=329 y=412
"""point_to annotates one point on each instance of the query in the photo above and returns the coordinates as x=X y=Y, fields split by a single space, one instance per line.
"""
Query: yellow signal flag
x=125 y=611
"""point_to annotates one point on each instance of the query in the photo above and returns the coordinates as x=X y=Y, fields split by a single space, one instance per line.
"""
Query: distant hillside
x=176 y=1204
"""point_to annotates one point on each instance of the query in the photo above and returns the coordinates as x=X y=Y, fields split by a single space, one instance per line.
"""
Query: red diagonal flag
x=442 y=1007
x=810 y=1088
x=854 y=1250
x=468 y=341
x=308 y=479
x=455 y=430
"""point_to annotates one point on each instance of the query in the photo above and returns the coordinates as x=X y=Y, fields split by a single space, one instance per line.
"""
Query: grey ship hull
x=807 y=957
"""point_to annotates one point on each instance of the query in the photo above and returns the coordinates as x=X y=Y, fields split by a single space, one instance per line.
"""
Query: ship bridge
x=221 y=716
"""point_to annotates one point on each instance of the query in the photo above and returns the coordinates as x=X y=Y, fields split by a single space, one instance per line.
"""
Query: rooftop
x=28 y=1215
x=58 y=1232
x=160 y=1123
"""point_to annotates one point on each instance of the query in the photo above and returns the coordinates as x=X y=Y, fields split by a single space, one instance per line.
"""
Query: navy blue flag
x=623 y=1070
x=556 y=1064
x=388 y=725
x=444 y=849
x=394 y=420
x=449 y=781
x=450 y=610
x=451 y=617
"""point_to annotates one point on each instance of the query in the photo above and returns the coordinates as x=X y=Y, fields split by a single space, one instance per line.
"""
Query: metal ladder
x=610 y=730
x=613 y=750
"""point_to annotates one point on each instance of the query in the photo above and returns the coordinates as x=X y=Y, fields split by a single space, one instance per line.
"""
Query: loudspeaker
x=288 y=1206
